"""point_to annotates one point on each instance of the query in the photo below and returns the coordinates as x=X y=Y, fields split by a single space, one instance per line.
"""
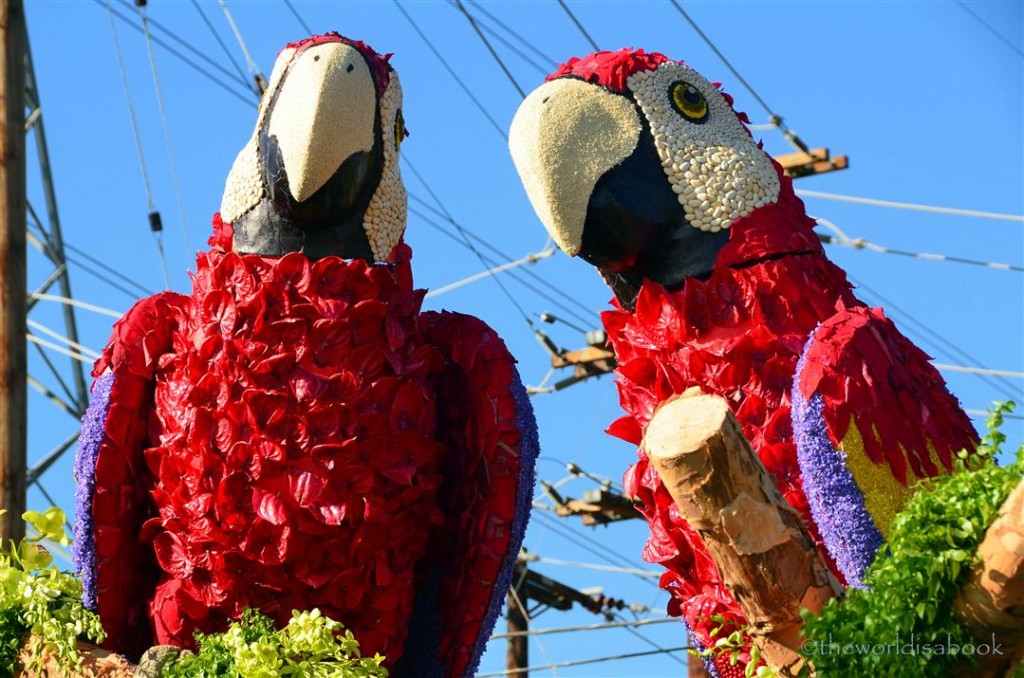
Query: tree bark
x=763 y=552
x=991 y=603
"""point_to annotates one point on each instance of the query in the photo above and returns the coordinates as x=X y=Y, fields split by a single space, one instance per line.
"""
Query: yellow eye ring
x=688 y=100
x=400 y=132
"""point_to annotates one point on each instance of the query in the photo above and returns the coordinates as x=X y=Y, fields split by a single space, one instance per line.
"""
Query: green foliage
x=903 y=624
x=37 y=598
x=310 y=645
x=735 y=643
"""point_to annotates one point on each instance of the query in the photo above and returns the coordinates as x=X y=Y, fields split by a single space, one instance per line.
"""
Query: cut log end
x=684 y=425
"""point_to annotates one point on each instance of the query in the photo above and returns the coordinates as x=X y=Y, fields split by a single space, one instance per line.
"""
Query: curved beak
x=565 y=136
x=321 y=113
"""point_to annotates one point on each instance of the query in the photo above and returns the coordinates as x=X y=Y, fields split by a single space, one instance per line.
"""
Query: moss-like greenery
x=903 y=624
x=310 y=645
x=37 y=598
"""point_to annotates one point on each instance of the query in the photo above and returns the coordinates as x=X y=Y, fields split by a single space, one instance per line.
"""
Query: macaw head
x=640 y=166
x=320 y=172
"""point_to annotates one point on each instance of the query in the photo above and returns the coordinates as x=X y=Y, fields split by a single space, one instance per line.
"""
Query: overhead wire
x=591 y=316
x=775 y=118
x=259 y=82
x=862 y=244
x=77 y=304
x=979 y=370
x=527 y=44
x=1006 y=388
x=990 y=28
x=216 y=36
x=72 y=399
x=61 y=338
x=295 y=14
x=585 y=627
x=513 y=274
x=138 y=140
x=161 y=107
x=582 y=662
x=465 y=238
x=576 y=22
x=490 y=48
x=188 y=61
x=60 y=349
x=595 y=566
x=93 y=260
x=530 y=258
x=647 y=641
x=596 y=549
x=543 y=70
x=451 y=71
x=910 y=206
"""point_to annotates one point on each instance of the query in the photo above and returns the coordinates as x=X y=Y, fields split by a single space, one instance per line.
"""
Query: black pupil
x=691 y=96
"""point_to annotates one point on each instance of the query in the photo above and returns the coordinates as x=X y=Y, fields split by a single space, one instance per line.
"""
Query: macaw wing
x=111 y=498
x=488 y=422
x=871 y=415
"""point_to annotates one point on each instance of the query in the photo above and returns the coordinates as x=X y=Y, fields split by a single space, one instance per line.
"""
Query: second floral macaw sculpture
x=640 y=166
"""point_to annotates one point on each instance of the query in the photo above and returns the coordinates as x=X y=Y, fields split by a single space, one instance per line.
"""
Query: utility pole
x=13 y=388
x=518 y=653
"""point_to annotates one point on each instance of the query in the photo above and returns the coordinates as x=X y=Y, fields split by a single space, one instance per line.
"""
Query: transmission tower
x=58 y=372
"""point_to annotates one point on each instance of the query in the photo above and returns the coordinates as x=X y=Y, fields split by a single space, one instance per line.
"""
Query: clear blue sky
x=924 y=99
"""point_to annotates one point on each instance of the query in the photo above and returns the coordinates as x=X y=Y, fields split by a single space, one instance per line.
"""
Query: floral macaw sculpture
x=296 y=432
x=640 y=166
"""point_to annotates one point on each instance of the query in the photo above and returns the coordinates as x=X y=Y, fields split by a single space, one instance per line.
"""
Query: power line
x=581 y=662
x=451 y=72
x=531 y=258
x=984 y=414
x=77 y=304
x=490 y=48
x=775 y=118
x=60 y=349
x=196 y=67
x=258 y=81
x=106 y=268
x=585 y=627
x=467 y=242
x=862 y=244
x=491 y=262
x=1006 y=388
x=513 y=48
x=61 y=338
x=138 y=142
x=216 y=36
x=166 y=127
x=910 y=206
x=979 y=370
x=593 y=43
x=592 y=315
x=295 y=13
x=595 y=566
x=596 y=549
x=991 y=30
x=522 y=41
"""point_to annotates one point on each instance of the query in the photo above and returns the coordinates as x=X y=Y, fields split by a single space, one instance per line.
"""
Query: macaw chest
x=739 y=335
x=297 y=460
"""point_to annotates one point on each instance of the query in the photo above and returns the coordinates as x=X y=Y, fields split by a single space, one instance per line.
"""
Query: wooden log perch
x=991 y=603
x=759 y=543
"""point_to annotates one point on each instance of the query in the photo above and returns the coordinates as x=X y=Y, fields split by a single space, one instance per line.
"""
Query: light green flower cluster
x=38 y=599
x=310 y=645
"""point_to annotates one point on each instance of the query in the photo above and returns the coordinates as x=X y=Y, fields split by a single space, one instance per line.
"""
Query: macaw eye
x=688 y=100
x=400 y=132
